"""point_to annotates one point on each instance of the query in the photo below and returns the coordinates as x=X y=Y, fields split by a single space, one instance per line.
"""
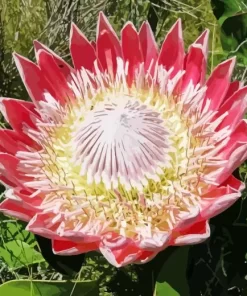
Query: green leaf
x=228 y=8
x=232 y=18
x=51 y=288
x=172 y=277
x=165 y=289
x=15 y=230
x=19 y=254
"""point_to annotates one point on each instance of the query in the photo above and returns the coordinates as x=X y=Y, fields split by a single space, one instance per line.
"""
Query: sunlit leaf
x=52 y=288
x=19 y=254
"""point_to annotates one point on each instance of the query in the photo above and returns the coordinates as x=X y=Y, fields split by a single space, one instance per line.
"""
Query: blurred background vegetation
x=217 y=267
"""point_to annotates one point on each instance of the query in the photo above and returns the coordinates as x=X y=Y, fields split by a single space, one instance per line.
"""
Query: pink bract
x=128 y=152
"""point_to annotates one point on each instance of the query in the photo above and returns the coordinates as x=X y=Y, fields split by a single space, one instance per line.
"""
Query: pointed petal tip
x=19 y=59
x=128 y=24
x=234 y=58
x=228 y=65
x=40 y=52
x=38 y=46
x=73 y=30
x=16 y=55
x=178 y=23
x=203 y=38
x=102 y=24
x=231 y=60
x=205 y=33
x=231 y=63
x=103 y=20
x=74 y=27
x=177 y=28
x=102 y=15
x=145 y=25
x=36 y=42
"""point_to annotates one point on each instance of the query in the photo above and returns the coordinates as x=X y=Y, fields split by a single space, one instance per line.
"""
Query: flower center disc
x=121 y=142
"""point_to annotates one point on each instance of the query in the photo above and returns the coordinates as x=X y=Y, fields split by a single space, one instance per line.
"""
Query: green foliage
x=12 y=230
x=18 y=18
x=165 y=289
x=18 y=254
x=17 y=248
x=57 y=288
x=232 y=19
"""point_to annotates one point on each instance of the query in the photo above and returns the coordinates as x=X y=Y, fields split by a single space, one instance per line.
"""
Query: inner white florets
x=121 y=141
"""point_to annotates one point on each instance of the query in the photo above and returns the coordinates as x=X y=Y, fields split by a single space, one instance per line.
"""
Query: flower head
x=129 y=151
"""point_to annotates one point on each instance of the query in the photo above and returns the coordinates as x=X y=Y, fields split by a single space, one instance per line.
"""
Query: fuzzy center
x=121 y=142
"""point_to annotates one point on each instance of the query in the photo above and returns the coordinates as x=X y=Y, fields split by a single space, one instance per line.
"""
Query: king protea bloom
x=128 y=152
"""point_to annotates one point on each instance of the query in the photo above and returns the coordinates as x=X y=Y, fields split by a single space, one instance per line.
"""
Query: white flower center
x=121 y=142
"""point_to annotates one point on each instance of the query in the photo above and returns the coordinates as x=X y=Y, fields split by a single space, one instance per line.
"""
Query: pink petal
x=10 y=142
x=188 y=219
x=52 y=73
x=16 y=201
x=25 y=198
x=93 y=43
x=11 y=208
x=145 y=257
x=104 y=25
x=9 y=169
x=123 y=255
x=203 y=40
x=196 y=60
x=108 y=49
x=235 y=100
x=197 y=233
x=29 y=105
x=17 y=115
x=39 y=224
x=158 y=241
x=71 y=248
x=149 y=47
x=234 y=86
x=194 y=66
x=107 y=44
x=236 y=107
x=6 y=182
x=44 y=225
x=172 y=50
x=219 y=82
x=238 y=155
x=234 y=152
x=82 y=52
x=132 y=51
x=237 y=139
x=63 y=66
x=220 y=199
x=35 y=83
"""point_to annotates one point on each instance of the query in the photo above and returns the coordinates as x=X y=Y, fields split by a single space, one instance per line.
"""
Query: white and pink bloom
x=129 y=151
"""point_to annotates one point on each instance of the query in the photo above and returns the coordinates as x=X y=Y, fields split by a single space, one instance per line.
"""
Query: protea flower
x=128 y=152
